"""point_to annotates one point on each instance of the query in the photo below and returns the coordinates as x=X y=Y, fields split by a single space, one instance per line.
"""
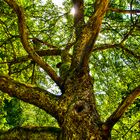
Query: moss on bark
x=31 y=133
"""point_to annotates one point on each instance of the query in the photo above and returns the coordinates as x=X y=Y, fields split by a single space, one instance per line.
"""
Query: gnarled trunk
x=80 y=119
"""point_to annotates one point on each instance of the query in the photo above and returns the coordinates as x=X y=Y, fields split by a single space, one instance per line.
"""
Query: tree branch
x=104 y=47
x=33 y=95
x=121 y=46
x=49 y=52
x=124 y=11
x=85 y=43
x=78 y=16
x=128 y=34
x=41 y=53
x=129 y=52
x=117 y=114
x=24 y=39
x=44 y=42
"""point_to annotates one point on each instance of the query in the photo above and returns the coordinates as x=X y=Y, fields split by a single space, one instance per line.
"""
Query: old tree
x=92 y=56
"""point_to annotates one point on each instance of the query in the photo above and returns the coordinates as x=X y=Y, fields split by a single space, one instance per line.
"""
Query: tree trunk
x=81 y=120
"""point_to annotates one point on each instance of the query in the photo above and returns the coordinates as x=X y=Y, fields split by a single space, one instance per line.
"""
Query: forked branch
x=23 y=31
x=89 y=33
x=27 y=93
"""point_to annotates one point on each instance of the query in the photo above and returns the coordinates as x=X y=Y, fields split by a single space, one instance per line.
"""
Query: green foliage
x=13 y=112
x=33 y=116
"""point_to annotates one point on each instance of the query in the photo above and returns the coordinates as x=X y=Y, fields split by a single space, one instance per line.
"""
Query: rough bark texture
x=36 y=133
x=80 y=119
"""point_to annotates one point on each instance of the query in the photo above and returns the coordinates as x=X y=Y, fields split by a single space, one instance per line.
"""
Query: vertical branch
x=88 y=35
x=78 y=16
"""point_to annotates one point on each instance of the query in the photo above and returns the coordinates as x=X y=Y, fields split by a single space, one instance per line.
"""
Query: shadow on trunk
x=31 y=133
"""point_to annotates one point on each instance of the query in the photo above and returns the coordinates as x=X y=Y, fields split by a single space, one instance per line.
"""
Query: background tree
x=13 y=112
x=82 y=69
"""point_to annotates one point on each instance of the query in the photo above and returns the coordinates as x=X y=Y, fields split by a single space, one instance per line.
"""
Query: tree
x=13 y=111
x=96 y=52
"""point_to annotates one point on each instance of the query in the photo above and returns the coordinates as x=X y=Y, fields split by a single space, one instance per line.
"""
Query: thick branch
x=33 y=95
x=78 y=16
x=20 y=133
x=85 y=43
x=124 y=11
x=117 y=114
x=24 y=39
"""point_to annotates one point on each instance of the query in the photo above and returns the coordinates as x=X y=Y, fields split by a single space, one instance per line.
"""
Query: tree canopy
x=41 y=43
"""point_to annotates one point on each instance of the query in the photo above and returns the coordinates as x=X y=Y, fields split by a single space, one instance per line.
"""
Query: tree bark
x=80 y=119
x=31 y=133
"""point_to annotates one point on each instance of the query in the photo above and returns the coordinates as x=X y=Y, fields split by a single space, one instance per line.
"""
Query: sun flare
x=72 y=11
